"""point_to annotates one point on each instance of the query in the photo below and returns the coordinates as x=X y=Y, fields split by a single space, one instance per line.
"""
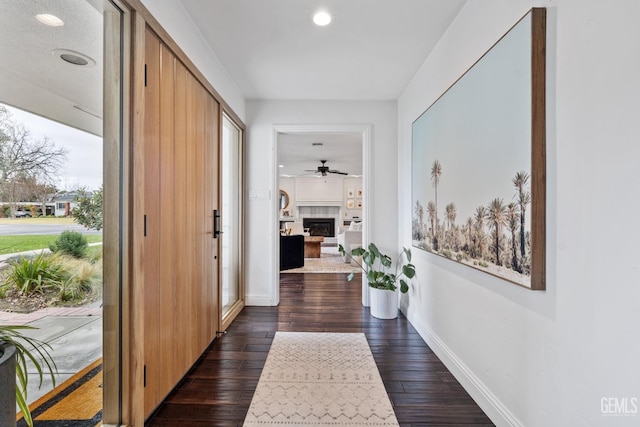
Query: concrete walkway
x=74 y=334
x=75 y=337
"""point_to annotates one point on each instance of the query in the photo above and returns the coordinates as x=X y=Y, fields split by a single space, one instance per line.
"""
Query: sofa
x=291 y=252
x=350 y=238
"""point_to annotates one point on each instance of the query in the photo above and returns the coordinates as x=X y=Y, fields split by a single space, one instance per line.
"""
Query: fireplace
x=320 y=226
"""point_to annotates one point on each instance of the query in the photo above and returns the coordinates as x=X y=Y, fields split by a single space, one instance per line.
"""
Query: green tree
x=497 y=216
x=88 y=212
x=524 y=198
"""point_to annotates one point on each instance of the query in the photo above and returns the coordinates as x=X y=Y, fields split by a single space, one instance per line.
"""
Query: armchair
x=350 y=239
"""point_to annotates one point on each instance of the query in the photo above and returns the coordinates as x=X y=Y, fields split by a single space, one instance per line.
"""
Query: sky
x=84 y=150
x=479 y=130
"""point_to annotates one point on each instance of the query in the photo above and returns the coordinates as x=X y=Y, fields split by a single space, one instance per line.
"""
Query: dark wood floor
x=218 y=390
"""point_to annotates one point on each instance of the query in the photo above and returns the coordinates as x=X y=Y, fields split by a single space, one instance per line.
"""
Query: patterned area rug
x=320 y=379
x=330 y=261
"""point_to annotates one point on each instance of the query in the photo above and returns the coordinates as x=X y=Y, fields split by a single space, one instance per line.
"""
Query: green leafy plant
x=379 y=269
x=28 y=349
x=70 y=243
x=35 y=274
x=88 y=212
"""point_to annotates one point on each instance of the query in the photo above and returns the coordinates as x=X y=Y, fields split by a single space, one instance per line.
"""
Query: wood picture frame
x=478 y=162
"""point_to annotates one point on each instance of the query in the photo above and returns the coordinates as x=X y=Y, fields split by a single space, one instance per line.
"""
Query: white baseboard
x=488 y=402
x=258 y=301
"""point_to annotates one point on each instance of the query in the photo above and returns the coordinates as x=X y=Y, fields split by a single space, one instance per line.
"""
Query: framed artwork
x=359 y=193
x=350 y=204
x=359 y=204
x=350 y=194
x=478 y=162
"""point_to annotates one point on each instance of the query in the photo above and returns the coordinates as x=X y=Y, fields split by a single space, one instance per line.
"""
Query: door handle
x=216 y=224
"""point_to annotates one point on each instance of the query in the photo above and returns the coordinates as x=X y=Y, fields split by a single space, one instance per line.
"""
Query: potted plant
x=15 y=350
x=383 y=277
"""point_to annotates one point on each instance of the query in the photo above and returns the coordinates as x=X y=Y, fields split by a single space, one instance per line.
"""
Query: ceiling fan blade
x=338 y=172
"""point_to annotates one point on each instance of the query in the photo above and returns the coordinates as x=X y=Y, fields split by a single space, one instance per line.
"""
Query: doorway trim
x=365 y=131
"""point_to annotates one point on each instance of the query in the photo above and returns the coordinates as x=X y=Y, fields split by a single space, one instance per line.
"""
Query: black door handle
x=216 y=224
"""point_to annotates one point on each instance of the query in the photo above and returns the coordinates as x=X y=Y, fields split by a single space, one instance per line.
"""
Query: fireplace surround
x=320 y=226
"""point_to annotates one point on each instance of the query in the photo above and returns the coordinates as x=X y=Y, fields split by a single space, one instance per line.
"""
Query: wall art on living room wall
x=478 y=162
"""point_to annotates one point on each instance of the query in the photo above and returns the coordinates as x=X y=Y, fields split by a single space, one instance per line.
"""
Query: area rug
x=320 y=379
x=330 y=261
x=77 y=402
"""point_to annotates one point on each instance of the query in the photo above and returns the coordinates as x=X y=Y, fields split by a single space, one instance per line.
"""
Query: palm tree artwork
x=492 y=237
x=436 y=172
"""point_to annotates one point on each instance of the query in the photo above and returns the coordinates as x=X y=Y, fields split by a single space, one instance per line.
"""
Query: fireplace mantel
x=319 y=203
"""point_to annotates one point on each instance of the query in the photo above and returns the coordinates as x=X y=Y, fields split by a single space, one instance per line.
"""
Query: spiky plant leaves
x=28 y=349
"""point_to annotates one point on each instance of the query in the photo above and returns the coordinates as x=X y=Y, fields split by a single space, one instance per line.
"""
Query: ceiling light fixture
x=73 y=57
x=322 y=18
x=50 y=20
x=280 y=166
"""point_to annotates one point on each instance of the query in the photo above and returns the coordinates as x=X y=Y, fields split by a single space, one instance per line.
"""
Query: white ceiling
x=32 y=78
x=370 y=51
x=270 y=48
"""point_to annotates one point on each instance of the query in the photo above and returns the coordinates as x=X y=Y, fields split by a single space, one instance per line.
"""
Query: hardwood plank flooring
x=219 y=388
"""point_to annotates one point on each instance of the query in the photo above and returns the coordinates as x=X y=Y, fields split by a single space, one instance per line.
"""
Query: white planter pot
x=384 y=303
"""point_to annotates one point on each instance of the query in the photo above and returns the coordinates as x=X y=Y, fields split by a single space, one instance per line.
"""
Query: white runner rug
x=320 y=379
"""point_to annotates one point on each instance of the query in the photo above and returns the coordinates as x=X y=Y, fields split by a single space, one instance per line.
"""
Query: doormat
x=320 y=379
x=77 y=402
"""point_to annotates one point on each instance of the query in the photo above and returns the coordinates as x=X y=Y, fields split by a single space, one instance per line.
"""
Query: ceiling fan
x=323 y=169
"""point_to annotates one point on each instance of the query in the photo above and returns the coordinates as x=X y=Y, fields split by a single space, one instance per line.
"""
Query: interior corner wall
x=177 y=22
x=261 y=210
x=564 y=356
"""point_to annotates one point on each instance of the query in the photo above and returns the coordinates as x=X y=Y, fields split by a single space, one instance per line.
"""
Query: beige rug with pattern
x=330 y=261
x=320 y=379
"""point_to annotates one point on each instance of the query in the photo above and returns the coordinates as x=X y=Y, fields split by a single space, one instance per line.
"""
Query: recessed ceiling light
x=50 y=20
x=280 y=166
x=322 y=18
x=74 y=58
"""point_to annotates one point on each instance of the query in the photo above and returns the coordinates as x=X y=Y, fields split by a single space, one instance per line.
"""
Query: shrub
x=70 y=243
x=447 y=253
x=36 y=274
x=80 y=279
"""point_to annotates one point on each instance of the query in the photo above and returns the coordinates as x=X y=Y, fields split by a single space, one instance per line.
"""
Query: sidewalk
x=74 y=334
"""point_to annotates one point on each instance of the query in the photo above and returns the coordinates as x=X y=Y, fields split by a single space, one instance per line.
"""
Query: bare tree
x=22 y=157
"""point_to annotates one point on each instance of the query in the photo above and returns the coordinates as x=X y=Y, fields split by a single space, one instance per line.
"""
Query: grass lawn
x=12 y=244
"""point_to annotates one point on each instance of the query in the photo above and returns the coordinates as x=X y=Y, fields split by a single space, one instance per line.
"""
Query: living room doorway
x=321 y=175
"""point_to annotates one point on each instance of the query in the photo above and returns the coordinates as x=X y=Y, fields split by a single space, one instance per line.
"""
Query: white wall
x=261 y=214
x=547 y=358
x=177 y=22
